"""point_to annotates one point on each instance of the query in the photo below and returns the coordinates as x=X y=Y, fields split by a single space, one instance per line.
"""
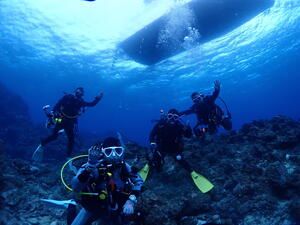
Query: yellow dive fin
x=201 y=182
x=144 y=172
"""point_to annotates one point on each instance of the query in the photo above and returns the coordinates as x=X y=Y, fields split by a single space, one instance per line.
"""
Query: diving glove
x=38 y=154
x=128 y=208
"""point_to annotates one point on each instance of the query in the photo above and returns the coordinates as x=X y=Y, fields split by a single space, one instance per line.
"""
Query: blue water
x=51 y=46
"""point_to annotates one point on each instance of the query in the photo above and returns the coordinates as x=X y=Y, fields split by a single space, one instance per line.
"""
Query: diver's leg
x=212 y=128
x=180 y=159
x=200 y=132
x=227 y=123
x=185 y=165
x=157 y=160
x=39 y=152
x=71 y=213
x=53 y=136
x=84 y=217
x=196 y=130
x=69 y=129
x=118 y=220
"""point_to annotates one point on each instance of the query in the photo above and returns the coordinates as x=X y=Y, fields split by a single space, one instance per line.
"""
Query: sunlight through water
x=83 y=37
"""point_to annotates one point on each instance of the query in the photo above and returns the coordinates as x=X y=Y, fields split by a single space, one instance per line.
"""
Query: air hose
x=228 y=113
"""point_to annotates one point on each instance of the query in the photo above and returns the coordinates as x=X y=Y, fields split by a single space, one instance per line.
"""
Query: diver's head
x=197 y=97
x=79 y=92
x=112 y=150
x=172 y=116
x=95 y=156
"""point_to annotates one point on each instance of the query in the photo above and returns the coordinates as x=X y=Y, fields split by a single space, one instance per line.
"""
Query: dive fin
x=61 y=204
x=201 y=182
x=38 y=154
x=144 y=172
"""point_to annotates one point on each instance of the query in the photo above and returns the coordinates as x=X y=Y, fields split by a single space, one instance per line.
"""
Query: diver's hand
x=99 y=96
x=217 y=84
x=128 y=208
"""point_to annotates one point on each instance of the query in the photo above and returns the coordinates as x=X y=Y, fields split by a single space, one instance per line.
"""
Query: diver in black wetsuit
x=208 y=112
x=167 y=138
x=65 y=114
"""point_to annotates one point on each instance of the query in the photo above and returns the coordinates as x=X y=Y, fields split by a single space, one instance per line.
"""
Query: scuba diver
x=116 y=184
x=166 y=138
x=64 y=115
x=208 y=112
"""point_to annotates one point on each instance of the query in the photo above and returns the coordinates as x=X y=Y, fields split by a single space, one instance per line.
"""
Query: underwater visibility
x=150 y=112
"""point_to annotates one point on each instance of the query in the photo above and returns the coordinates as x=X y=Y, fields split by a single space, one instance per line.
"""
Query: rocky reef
x=255 y=182
x=15 y=121
x=255 y=172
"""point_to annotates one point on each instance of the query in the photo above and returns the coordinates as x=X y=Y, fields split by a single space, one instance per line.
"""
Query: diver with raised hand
x=65 y=114
x=209 y=114
x=166 y=138
x=112 y=181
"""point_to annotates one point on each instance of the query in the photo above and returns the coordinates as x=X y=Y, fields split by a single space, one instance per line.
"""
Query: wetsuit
x=67 y=110
x=209 y=114
x=169 y=140
x=116 y=183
